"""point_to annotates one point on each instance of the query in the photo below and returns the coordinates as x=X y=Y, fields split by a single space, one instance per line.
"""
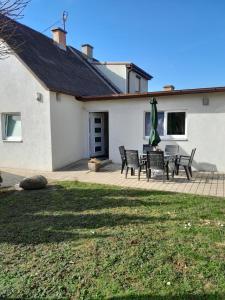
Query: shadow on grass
x=57 y=214
x=180 y=297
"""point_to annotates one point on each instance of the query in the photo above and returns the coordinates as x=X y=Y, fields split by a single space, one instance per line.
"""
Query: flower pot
x=94 y=167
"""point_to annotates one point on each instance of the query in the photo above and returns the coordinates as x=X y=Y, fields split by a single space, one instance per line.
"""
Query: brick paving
x=202 y=183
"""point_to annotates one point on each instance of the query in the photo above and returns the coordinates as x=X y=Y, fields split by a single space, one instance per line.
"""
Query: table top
x=165 y=154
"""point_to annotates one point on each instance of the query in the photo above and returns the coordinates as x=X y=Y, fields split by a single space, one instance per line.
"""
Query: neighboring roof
x=130 y=66
x=61 y=71
x=155 y=94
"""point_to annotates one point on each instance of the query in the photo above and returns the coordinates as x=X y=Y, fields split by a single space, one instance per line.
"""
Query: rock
x=33 y=183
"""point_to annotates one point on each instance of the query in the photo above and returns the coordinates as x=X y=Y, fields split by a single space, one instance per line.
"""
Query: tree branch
x=10 y=10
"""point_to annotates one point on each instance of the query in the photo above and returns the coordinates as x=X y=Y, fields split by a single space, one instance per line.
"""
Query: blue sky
x=178 y=42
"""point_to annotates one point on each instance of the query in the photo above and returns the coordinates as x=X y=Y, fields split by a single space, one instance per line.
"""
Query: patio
x=202 y=183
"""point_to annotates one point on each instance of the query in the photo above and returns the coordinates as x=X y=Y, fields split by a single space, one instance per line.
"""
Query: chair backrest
x=147 y=148
x=132 y=159
x=122 y=152
x=156 y=160
x=172 y=149
x=192 y=156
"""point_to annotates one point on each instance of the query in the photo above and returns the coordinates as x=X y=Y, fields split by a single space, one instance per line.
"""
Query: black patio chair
x=133 y=163
x=172 y=149
x=185 y=161
x=147 y=148
x=155 y=162
x=123 y=157
x=1 y=180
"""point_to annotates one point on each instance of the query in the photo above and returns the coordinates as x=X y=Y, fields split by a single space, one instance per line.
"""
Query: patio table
x=170 y=160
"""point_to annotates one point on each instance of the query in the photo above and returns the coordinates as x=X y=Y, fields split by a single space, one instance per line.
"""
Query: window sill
x=164 y=138
x=12 y=141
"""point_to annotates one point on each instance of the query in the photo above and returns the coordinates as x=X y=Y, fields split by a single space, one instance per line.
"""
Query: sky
x=177 y=42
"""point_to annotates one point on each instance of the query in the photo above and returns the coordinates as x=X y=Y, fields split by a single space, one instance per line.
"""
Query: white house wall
x=116 y=73
x=18 y=90
x=144 y=83
x=67 y=119
x=205 y=126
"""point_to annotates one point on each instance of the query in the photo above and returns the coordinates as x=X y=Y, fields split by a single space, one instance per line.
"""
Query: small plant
x=94 y=164
x=94 y=161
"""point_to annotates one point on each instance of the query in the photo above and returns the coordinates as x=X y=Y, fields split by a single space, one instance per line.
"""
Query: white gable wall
x=116 y=73
x=144 y=83
x=119 y=75
x=18 y=90
x=67 y=129
x=205 y=126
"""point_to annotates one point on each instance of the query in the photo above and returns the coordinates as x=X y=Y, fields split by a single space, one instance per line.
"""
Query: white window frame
x=4 y=118
x=165 y=137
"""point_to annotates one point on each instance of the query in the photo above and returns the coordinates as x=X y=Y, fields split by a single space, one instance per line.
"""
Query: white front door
x=97 y=134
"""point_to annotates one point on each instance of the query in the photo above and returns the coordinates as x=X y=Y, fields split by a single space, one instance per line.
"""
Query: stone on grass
x=33 y=183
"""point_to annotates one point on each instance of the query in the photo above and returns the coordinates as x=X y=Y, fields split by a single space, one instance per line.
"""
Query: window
x=12 y=127
x=176 y=123
x=98 y=140
x=171 y=125
x=98 y=149
x=137 y=84
x=148 y=123
x=98 y=130
x=98 y=120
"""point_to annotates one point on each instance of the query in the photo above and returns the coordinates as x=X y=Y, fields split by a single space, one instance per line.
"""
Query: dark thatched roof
x=62 y=71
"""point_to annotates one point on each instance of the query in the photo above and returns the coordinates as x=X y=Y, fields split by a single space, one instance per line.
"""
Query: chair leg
x=167 y=172
x=190 y=171
x=132 y=172
x=177 y=169
x=147 y=172
x=127 y=170
x=123 y=166
x=173 y=173
x=163 y=176
x=187 y=172
x=139 y=173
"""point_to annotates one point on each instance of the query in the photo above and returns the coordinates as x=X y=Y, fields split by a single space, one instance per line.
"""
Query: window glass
x=13 y=126
x=176 y=123
x=98 y=120
x=98 y=149
x=98 y=130
x=160 y=123
x=98 y=139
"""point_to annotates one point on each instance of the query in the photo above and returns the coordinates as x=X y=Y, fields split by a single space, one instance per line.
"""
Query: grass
x=87 y=241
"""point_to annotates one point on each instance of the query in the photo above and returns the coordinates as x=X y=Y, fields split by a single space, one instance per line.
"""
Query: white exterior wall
x=116 y=73
x=119 y=74
x=205 y=126
x=144 y=83
x=18 y=90
x=67 y=128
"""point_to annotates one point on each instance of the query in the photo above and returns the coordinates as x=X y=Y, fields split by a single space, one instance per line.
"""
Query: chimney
x=87 y=50
x=169 y=88
x=59 y=37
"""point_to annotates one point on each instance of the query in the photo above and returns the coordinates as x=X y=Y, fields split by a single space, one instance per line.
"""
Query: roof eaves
x=140 y=71
x=155 y=94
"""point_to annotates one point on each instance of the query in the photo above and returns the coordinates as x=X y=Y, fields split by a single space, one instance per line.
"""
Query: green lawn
x=86 y=241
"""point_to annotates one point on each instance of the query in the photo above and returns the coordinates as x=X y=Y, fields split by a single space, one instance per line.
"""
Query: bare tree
x=10 y=10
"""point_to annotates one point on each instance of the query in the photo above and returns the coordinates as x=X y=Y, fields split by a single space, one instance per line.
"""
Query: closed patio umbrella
x=154 y=138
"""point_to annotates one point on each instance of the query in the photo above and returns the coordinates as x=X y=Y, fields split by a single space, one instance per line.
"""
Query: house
x=59 y=105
